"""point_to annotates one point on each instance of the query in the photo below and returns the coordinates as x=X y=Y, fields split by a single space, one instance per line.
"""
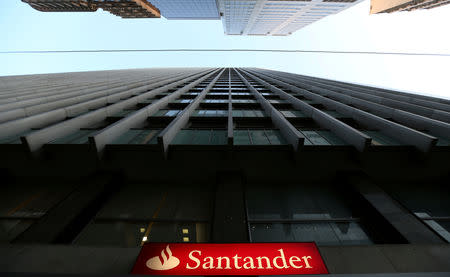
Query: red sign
x=229 y=259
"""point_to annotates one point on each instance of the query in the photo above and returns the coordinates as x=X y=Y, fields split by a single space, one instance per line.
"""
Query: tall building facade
x=271 y=17
x=97 y=164
x=243 y=17
x=383 y=6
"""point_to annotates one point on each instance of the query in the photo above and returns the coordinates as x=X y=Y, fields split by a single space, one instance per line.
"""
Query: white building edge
x=254 y=17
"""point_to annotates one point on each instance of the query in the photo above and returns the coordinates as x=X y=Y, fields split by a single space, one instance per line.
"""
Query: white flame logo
x=168 y=262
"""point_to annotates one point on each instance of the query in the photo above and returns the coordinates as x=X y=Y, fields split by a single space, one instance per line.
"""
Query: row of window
x=175 y=213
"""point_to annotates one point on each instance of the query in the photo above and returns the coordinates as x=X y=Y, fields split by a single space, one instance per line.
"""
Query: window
x=321 y=137
x=379 y=138
x=199 y=137
x=429 y=202
x=292 y=113
x=138 y=136
x=258 y=137
x=210 y=113
x=248 y=113
x=21 y=205
x=302 y=213
x=156 y=213
x=169 y=113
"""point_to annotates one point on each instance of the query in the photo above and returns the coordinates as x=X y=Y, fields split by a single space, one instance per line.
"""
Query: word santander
x=229 y=259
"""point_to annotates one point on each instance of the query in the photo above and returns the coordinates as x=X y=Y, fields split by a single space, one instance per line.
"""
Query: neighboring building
x=95 y=164
x=122 y=8
x=246 y=17
x=384 y=6
x=266 y=17
x=188 y=9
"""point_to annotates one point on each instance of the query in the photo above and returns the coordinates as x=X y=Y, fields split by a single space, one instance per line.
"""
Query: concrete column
x=63 y=222
x=342 y=130
x=290 y=133
x=110 y=133
x=169 y=133
x=230 y=127
x=406 y=135
x=402 y=220
x=229 y=219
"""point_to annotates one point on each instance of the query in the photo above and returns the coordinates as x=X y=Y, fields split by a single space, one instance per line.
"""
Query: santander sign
x=229 y=259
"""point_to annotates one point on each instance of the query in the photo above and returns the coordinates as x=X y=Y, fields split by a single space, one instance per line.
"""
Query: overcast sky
x=23 y=28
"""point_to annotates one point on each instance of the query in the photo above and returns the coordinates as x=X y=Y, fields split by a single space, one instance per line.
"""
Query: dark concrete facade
x=93 y=162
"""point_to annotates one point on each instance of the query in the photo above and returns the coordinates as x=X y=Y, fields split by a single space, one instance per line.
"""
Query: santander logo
x=201 y=259
x=168 y=262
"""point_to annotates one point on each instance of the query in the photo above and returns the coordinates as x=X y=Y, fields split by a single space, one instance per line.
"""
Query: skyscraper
x=97 y=164
x=244 y=17
x=382 y=6
x=271 y=17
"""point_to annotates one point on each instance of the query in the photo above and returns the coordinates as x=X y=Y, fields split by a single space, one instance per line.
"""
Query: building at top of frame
x=122 y=8
x=383 y=6
x=96 y=164
x=278 y=18
x=244 y=17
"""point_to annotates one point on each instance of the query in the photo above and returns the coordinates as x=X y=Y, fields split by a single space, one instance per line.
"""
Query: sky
x=23 y=28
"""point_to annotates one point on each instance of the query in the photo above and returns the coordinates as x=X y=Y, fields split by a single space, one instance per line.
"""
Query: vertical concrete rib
x=230 y=126
x=86 y=92
x=37 y=139
x=418 y=122
x=169 y=133
x=113 y=131
x=44 y=119
x=409 y=98
x=406 y=223
x=404 y=134
x=291 y=134
x=394 y=101
x=78 y=99
x=348 y=134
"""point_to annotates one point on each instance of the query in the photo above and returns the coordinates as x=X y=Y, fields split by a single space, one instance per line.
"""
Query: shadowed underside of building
x=94 y=164
x=383 y=6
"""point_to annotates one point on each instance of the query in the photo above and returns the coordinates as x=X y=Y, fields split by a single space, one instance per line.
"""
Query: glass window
x=146 y=136
x=302 y=213
x=205 y=137
x=210 y=113
x=248 y=113
x=166 y=113
x=314 y=138
x=258 y=137
x=428 y=202
x=292 y=113
x=323 y=233
x=241 y=137
x=21 y=205
x=321 y=137
x=331 y=138
x=172 y=113
x=238 y=113
x=379 y=138
x=156 y=213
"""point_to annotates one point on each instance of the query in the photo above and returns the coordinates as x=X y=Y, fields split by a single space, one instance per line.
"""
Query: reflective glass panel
x=295 y=202
x=323 y=233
